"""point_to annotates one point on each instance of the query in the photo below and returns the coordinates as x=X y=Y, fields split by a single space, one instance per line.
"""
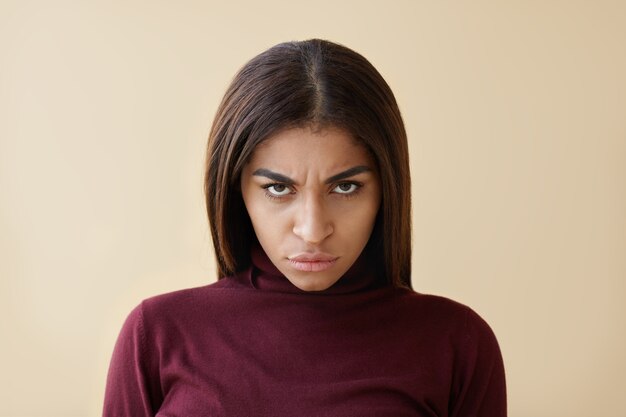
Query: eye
x=277 y=190
x=346 y=188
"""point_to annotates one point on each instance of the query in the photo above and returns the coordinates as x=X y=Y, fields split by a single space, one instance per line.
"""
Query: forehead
x=326 y=149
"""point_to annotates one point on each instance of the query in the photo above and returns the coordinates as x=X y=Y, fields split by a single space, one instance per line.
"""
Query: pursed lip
x=312 y=262
x=313 y=257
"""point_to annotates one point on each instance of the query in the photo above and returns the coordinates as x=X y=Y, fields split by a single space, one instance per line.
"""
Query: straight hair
x=319 y=84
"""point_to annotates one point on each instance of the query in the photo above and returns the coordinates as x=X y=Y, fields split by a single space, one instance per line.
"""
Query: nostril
x=312 y=221
x=313 y=232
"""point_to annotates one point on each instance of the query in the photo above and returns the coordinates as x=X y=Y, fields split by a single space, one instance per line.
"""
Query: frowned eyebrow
x=348 y=173
x=263 y=172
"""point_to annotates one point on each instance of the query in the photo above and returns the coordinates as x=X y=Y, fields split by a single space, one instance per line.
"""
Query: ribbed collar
x=266 y=277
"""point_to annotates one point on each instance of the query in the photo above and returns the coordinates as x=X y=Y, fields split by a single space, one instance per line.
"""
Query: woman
x=308 y=197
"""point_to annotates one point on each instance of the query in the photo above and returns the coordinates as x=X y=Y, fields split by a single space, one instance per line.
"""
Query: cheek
x=268 y=223
x=357 y=222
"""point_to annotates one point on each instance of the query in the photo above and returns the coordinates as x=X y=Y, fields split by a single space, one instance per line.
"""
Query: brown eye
x=278 y=190
x=346 y=188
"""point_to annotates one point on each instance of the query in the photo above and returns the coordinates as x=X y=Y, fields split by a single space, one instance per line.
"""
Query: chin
x=311 y=284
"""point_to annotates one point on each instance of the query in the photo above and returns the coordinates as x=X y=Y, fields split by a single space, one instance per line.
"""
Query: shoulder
x=445 y=313
x=434 y=306
x=222 y=288
x=187 y=305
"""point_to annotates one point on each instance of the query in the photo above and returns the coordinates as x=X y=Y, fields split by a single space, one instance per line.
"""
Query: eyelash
x=344 y=195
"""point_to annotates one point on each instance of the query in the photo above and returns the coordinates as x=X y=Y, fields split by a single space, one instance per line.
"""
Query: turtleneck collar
x=265 y=276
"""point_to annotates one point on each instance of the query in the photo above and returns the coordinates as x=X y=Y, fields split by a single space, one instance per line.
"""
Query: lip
x=312 y=262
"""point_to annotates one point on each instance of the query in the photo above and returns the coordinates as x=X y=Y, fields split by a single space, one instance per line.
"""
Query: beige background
x=516 y=118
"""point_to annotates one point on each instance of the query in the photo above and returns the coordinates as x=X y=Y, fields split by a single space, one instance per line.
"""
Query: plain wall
x=516 y=114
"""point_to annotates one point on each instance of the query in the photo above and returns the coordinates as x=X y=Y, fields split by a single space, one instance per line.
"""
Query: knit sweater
x=253 y=344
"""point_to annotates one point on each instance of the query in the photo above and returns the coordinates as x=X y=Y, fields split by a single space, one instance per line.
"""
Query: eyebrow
x=263 y=172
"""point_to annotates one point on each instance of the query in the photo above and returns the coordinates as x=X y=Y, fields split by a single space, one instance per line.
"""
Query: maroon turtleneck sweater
x=255 y=345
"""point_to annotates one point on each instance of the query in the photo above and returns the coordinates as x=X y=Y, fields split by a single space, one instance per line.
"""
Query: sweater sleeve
x=130 y=387
x=479 y=388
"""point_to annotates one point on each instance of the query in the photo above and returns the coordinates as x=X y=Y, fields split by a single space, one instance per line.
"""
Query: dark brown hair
x=319 y=84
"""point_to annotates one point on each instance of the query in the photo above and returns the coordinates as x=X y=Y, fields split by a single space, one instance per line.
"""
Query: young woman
x=308 y=197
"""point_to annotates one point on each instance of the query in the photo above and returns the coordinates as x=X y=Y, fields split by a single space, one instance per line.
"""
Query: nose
x=312 y=222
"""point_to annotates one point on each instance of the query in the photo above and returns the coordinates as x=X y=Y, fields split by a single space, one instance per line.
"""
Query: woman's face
x=313 y=199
